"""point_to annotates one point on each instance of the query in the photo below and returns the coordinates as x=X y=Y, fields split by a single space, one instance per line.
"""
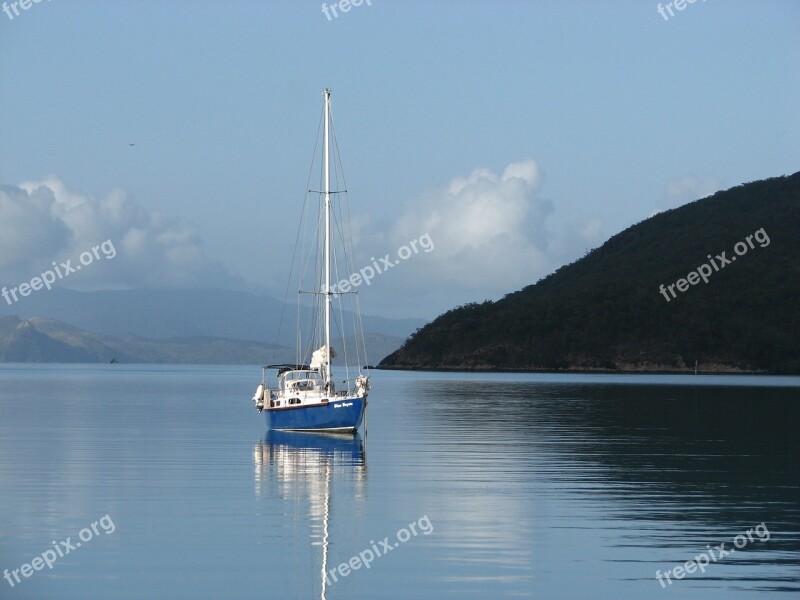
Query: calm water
x=518 y=486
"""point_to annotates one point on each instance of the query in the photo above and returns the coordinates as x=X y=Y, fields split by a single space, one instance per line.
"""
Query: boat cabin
x=300 y=381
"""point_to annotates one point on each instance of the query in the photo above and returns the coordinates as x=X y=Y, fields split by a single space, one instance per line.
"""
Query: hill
x=733 y=304
x=208 y=326
x=47 y=340
x=164 y=314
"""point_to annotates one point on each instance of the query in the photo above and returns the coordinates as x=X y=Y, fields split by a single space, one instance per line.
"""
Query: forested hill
x=606 y=311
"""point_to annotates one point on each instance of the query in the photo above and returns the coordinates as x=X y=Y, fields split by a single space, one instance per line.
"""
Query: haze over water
x=535 y=486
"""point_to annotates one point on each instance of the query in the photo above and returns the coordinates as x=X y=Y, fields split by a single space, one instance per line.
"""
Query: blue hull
x=344 y=415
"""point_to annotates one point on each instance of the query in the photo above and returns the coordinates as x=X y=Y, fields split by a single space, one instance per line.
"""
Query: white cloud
x=489 y=230
x=44 y=221
x=490 y=234
x=28 y=230
x=493 y=234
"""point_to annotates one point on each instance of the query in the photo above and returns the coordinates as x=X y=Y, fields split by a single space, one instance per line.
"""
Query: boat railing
x=349 y=387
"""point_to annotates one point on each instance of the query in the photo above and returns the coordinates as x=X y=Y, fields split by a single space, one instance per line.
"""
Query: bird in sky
x=130 y=144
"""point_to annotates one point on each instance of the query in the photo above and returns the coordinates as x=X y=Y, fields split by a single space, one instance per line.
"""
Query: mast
x=327 y=290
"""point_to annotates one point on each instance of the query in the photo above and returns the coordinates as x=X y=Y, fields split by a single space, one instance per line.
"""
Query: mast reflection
x=305 y=466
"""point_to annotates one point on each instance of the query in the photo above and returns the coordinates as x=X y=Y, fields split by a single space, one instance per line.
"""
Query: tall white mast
x=327 y=94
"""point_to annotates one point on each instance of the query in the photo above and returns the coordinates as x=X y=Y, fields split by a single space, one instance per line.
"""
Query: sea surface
x=464 y=486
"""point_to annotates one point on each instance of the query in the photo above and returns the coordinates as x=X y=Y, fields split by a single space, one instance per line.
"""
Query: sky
x=513 y=135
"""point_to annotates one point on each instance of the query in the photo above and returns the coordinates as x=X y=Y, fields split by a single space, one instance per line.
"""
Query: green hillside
x=606 y=311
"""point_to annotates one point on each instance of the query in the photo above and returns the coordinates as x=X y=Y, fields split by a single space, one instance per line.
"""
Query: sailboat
x=306 y=397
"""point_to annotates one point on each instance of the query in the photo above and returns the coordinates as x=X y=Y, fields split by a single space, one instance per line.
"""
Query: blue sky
x=516 y=134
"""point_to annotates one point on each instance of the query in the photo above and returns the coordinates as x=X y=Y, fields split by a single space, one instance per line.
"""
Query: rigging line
x=313 y=253
x=361 y=334
x=310 y=333
x=340 y=323
x=337 y=223
x=341 y=326
x=297 y=239
x=302 y=350
x=358 y=331
x=340 y=172
x=337 y=153
x=315 y=332
x=338 y=327
x=298 y=344
x=349 y=239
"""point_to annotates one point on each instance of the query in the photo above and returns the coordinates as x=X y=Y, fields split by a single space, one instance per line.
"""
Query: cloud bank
x=493 y=233
x=492 y=237
x=44 y=221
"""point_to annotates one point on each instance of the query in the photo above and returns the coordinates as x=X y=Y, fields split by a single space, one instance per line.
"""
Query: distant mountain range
x=163 y=326
x=47 y=340
x=714 y=283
